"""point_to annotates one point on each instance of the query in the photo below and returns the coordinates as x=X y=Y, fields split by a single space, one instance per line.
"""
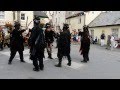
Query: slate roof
x=106 y=19
x=40 y=14
x=75 y=15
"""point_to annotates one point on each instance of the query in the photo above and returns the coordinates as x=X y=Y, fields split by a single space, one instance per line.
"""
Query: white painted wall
x=75 y=24
x=60 y=16
x=30 y=16
x=85 y=20
x=91 y=15
x=8 y=18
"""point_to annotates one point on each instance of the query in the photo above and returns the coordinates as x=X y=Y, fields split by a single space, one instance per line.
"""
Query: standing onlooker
x=1 y=38
x=112 y=42
x=95 y=40
x=108 y=42
x=102 y=39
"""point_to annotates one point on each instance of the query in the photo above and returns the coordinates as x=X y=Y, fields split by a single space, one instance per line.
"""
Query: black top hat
x=16 y=24
x=47 y=25
x=37 y=18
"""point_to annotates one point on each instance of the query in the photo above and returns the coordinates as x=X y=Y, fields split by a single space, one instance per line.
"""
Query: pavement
x=103 y=64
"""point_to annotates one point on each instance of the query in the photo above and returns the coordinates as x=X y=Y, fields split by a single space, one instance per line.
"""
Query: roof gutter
x=75 y=15
x=104 y=26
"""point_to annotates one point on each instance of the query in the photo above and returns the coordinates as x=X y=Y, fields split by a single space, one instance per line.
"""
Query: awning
x=40 y=14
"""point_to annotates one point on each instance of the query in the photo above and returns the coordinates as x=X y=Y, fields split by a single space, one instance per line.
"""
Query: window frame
x=115 y=32
x=22 y=17
x=79 y=20
x=2 y=14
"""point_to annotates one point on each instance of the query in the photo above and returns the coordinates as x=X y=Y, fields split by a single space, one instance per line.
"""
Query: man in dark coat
x=49 y=38
x=64 y=43
x=16 y=43
x=85 y=44
x=37 y=45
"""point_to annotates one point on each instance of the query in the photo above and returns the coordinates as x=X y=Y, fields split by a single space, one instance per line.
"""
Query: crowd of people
x=111 y=44
x=4 y=37
x=38 y=40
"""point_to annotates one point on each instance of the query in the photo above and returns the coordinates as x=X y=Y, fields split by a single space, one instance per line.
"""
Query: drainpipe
x=27 y=22
x=84 y=18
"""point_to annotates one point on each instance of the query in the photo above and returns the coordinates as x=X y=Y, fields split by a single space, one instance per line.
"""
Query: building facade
x=107 y=23
x=24 y=17
x=6 y=17
x=58 y=19
x=77 y=19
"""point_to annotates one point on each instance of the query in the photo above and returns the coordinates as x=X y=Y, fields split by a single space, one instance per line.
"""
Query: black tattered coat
x=16 y=40
x=64 y=44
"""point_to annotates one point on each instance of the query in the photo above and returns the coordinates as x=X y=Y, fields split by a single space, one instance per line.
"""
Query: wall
x=60 y=16
x=74 y=23
x=8 y=18
x=90 y=16
x=107 y=30
x=30 y=16
x=85 y=20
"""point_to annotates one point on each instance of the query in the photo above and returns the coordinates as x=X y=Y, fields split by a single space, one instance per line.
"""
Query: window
x=73 y=13
x=68 y=21
x=92 y=33
x=22 y=16
x=2 y=14
x=79 y=20
x=56 y=20
x=13 y=15
x=115 y=33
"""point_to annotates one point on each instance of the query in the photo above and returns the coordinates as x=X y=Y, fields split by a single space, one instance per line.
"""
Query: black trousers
x=13 y=53
x=38 y=60
x=68 y=57
x=86 y=55
x=1 y=45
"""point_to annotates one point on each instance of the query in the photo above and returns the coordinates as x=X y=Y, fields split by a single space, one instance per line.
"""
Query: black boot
x=50 y=56
x=22 y=61
x=88 y=59
x=41 y=67
x=69 y=63
x=35 y=69
x=9 y=62
x=59 y=64
x=85 y=60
